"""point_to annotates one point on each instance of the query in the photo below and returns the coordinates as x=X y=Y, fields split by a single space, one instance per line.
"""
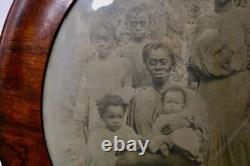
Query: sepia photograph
x=150 y=83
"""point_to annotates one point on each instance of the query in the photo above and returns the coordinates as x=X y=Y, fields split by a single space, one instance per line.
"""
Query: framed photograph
x=131 y=82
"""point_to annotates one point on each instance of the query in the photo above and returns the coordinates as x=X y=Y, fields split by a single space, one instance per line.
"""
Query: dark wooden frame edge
x=25 y=45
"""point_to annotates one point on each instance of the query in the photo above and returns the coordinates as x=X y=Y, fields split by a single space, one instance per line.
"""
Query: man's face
x=113 y=117
x=138 y=26
x=159 y=63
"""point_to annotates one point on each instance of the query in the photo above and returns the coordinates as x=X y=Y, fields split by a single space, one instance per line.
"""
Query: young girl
x=187 y=140
x=102 y=75
x=112 y=110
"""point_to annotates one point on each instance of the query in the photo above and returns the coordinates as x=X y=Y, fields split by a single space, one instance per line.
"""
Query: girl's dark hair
x=110 y=100
x=175 y=89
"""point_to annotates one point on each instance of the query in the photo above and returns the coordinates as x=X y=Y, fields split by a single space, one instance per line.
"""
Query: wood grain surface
x=24 y=48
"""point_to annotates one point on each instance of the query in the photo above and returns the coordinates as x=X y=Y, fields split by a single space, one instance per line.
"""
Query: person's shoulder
x=125 y=46
x=143 y=92
x=97 y=132
x=188 y=89
x=130 y=45
x=116 y=58
x=129 y=133
x=120 y=51
x=127 y=129
x=191 y=93
x=189 y=113
x=196 y=105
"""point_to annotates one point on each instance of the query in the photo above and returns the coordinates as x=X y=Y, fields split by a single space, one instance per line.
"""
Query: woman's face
x=159 y=63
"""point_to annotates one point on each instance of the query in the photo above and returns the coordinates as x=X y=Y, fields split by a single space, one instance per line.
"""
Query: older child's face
x=103 y=43
x=159 y=63
x=138 y=26
x=113 y=117
x=173 y=102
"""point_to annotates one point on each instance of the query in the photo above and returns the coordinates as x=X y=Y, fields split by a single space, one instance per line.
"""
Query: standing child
x=137 y=20
x=100 y=76
x=112 y=110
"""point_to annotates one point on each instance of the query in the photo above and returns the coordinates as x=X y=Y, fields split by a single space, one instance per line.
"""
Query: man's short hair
x=110 y=100
x=158 y=45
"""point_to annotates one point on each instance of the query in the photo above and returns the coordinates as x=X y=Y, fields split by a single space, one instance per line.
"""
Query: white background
x=4 y=8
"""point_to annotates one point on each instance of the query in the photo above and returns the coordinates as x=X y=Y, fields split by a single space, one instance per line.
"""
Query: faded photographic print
x=150 y=83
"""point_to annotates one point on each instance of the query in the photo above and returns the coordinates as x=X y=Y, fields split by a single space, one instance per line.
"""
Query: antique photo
x=167 y=80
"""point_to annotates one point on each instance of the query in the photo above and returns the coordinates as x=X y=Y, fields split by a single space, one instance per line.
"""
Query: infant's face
x=113 y=117
x=173 y=102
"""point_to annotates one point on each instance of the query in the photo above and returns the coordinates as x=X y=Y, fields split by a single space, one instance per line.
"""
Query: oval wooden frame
x=25 y=44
